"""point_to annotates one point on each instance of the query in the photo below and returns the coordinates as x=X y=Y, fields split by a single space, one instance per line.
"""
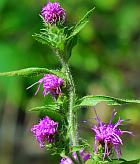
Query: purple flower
x=45 y=131
x=85 y=156
x=53 y=13
x=66 y=160
x=108 y=136
x=51 y=84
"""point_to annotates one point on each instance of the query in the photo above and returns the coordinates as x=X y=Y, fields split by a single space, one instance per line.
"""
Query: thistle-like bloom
x=108 y=136
x=85 y=156
x=53 y=13
x=66 y=160
x=51 y=84
x=45 y=131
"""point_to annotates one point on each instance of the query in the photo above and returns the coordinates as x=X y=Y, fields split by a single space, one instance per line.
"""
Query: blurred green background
x=106 y=61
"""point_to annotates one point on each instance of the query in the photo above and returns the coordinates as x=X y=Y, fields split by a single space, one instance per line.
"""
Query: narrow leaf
x=44 y=22
x=29 y=72
x=37 y=109
x=69 y=46
x=49 y=110
x=81 y=24
x=42 y=39
x=131 y=162
x=94 y=100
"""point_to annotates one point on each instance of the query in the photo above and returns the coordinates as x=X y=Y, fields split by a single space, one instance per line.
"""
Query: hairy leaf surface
x=30 y=72
x=94 y=100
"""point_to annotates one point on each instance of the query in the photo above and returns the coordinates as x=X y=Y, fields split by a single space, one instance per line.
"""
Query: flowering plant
x=58 y=130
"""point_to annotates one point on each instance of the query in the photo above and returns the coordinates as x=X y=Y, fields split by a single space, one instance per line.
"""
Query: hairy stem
x=72 y=117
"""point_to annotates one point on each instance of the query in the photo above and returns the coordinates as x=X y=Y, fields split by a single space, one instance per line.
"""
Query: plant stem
x=72 y=117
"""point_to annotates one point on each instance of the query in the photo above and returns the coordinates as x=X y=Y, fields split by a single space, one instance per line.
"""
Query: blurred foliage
x=105 y=61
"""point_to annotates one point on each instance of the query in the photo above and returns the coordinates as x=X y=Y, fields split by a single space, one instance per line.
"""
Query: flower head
x=53 y=13
x=51 y=84
x=45 y=131
x=66 y=160
x=108 y=136
x=85 y=156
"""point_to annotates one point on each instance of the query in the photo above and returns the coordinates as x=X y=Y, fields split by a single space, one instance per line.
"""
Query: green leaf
x=76 y=148
x=30 y=72
x=94 y=100
x=81 y=24
x=131 y=162
x=42 y=39
x=46 y=25
x=69 y=46
x=37 y=109
x=49 y=110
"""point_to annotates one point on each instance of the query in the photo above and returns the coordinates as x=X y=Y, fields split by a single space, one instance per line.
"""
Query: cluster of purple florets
x=51 y=84
x=45 y=131
x=108 y=136
x=53 y=13
x=85 y=156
